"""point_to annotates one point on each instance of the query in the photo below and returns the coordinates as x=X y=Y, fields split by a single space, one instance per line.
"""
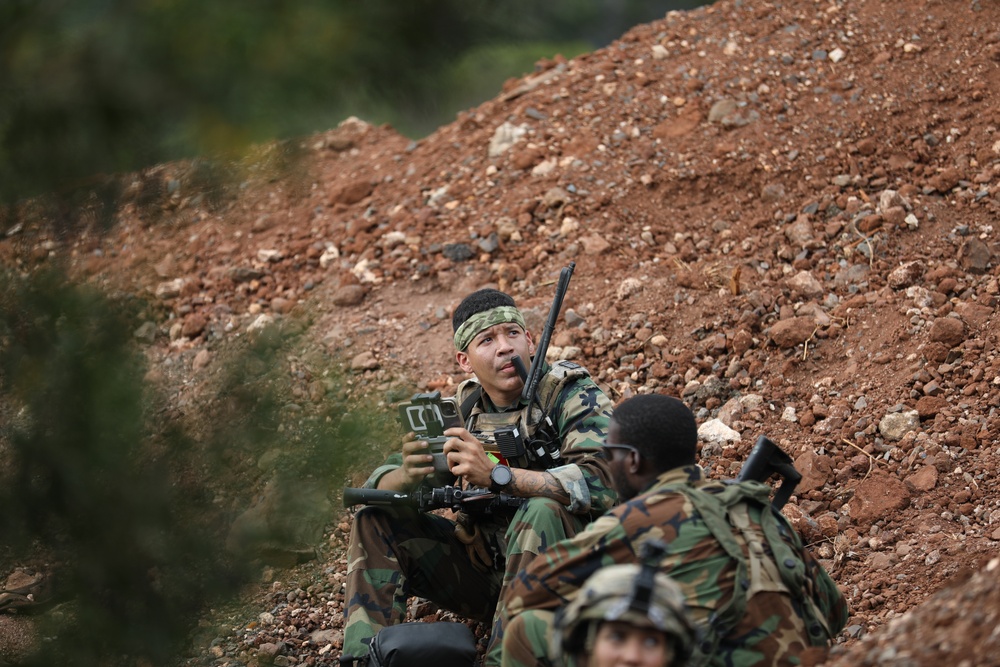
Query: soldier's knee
x=542 y=507
x=372 y=517
x=538 y=522
x=371 y=526
x=526 y=638
x=368 y=513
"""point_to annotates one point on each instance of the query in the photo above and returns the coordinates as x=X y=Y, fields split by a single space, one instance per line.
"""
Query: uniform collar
x=490 y=406
x=689 y=474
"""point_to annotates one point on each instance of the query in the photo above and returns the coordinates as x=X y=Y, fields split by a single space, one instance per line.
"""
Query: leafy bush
x=126 y=496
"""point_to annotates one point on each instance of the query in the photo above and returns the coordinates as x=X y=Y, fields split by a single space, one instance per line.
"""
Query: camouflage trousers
x=396 y=553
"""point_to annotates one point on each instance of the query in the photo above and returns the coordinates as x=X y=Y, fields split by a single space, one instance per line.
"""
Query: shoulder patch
x=560 y=374
x=566 y=369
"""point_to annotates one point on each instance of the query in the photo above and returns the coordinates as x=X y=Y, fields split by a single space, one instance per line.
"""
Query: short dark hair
x=480 y=300
x=661 y=427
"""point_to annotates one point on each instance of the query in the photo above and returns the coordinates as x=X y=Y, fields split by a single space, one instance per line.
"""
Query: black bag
x=439 y=644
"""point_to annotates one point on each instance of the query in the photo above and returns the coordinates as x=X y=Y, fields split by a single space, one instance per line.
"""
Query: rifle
x=475 y=500
x=538 y=362
x=767 y=459
x=543 y=446
x=510 y=442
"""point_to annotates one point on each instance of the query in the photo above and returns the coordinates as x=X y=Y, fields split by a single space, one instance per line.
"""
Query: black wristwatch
x=500 y=478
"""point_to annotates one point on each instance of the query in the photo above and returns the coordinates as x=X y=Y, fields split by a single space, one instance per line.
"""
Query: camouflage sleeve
x=582 y=415
x=827 y=595
x=556 y=574
x=394 y=461
x=696 y=560
x=820 y=586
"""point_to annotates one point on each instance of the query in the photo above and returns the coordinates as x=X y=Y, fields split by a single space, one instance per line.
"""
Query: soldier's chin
x=510 y=384
x=514 y=383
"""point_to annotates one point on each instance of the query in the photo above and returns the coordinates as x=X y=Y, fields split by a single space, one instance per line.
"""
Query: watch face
x=501 y=475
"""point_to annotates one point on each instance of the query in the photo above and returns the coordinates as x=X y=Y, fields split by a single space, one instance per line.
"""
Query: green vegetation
x=128 y=498
x=126 y=495
x=93 y=87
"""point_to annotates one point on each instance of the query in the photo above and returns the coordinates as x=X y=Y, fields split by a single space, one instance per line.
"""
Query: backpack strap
x=714 y=513
x=550 y=388
x=787 y=547
x=763 y=574
x=469 y=402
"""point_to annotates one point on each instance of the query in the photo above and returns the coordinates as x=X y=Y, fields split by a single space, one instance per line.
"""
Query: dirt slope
x=784 y=212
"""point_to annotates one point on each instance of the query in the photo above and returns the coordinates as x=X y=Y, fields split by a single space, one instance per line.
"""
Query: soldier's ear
x=463 y=361
x=634 y=461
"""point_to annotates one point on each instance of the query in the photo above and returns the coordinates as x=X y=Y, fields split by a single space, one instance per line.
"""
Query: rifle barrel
x=538 y=362
x=427 y=499
x=354 y=496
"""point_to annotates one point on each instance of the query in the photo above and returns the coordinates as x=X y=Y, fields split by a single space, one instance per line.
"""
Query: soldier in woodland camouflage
x=465 y=564
x=755 y=593
x=625 y=616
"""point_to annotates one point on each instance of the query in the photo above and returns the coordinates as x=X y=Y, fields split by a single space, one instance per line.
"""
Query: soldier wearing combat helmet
x=625 y=616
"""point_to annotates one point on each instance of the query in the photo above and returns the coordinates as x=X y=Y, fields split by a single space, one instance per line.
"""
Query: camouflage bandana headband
x=484 y=320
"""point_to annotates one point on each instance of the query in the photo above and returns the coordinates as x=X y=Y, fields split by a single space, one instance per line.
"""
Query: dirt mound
x=783 y=212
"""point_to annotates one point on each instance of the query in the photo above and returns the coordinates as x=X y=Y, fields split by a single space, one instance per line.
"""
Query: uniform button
x=815 y=629
x=790 y=563
x=745 y=584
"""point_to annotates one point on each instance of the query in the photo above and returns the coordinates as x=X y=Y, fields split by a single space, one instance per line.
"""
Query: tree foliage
x=124 y=498
x=98 y=476
x=84 y=490
x=92 y=87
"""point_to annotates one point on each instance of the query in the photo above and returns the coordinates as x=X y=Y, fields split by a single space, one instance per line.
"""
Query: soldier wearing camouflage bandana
x=464 y=565
x=755 y=593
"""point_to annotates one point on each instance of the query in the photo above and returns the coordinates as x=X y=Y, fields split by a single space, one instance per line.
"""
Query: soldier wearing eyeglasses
x=754 y=592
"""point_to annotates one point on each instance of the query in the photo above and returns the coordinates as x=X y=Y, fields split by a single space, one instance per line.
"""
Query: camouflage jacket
x=772 y=630
x=580 y=413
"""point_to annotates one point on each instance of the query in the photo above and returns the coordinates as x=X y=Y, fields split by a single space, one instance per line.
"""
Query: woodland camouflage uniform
x=396 y=553
x=775 y=626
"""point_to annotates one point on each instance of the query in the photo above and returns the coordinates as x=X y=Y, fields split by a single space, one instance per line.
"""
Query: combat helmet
x=636 y=594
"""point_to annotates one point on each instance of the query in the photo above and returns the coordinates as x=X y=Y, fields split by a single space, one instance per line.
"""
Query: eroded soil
x=785 y=213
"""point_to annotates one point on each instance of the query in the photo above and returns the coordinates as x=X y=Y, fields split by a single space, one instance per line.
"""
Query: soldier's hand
x=417 y=461
x=467 y=458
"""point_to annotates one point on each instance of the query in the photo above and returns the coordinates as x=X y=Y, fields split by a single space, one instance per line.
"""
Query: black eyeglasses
x=606 y=449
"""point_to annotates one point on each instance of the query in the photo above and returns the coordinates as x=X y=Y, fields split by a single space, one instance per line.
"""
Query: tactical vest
x=529 y=420
x=785 y=570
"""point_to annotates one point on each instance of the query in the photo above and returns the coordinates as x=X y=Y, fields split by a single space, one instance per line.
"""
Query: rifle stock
x=767 y=459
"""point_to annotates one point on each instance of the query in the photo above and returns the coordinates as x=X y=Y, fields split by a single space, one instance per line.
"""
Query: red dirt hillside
x=784 y=212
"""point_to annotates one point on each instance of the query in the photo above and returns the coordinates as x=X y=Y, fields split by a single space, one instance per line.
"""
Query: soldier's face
x=623 y=463
x=620 y=644
x=489 y=357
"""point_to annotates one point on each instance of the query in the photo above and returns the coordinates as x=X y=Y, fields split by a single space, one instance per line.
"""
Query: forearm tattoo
x=531 y=484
